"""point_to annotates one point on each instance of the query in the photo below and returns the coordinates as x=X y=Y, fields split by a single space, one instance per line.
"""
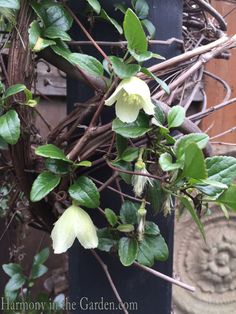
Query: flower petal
x=148 y=107
x=115 y=95
x=62 y=234
x=134 y=85
x=127 y=113
x=85 y=230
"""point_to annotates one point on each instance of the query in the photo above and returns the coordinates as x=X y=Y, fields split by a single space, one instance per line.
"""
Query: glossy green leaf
x=160 y=82
x=194 y=163
x=123 y=70
x=95 y=5
x=43 y=185
x=85 y=192
x=166 y=163
x=42 y=256
x=38 y=270
x=84 y=163
x=156 y=195
x=87 y=63
x=151 y=228
x=186 y=203
x=134 y=33
x=11 y=4
x=111 y=216
x=16 y=282
x=130 y=154
x=10 y=127
x=11 y=269
x=14 y=89
x=149 y=27
x=42 y=43
x=106 y=240
x=221 y=169
x=132 y=130
x=109 y=19
x=34 y=33
x=209 y=187
x=56 y=15
x=175 y=116
x=125 y=228
x=121 y=144
x=57 y=166
x=51 y=151
x=228 y=198
x=141 y=8
x=151 y=249
x=129 y=213
x=128 y=250
x=53 y=32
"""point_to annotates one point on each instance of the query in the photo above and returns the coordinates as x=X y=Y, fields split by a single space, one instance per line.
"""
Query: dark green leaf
x=175 y=116
x=87 y=63
x=130 y=154
x=141 y=8
x=123 y=165
x=85 y=192
x=122 y=69
x=129 y=213
x=53 y=32
x=121 y=144
x=156 y=195
x=149 y=27
x=38 y=270
x=10 y=295
x=186 y=203
x=51 y=151
x=95 y=5
x=111 y=216
x=10 y=127
x=107 y=240
x=152 y=248
x=11 y=269
x=221 y=169
x=167 y=164
x=159 y=114
x=134 y=33
x=11 y=4
x=42 y=256
x=125 y=228
x=57 y=166
x=121 y=7
x=16 y=282
x=160 y=82
x=194 y=163
x=34 y=33
x=57 y=16
x=228 y=198
x=109 y=19
x=43 y=185
x=128 y=250
x=151 y=228
x=132 y=130
x=14 y=89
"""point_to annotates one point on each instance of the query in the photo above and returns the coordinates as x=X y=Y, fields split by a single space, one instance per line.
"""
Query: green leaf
x=175 y=116
x=125 y=228
x=85 y=192
x=3 y=144
x=11 y=269
x=51 y=151
x=14 y=89
x=122 y=69
x=42 y=256
x=130 y=154
x=134 y=33
x=57 y=166
x=149 y=27
x=53 y=32
x=132 y=130
x=87 y=63
x=84 y=163
x=95 y=5
x=141 y=8
x=38 y=270
x=128 y=250
x=111 y=216
x=152 y=248
x=151 y=228
x=194 y=163
x=106 y=239
x=123 y=165
x=166 y=163
x=160 y=82
x=129 y=213
x=42 y=44
x=16 y=282
x=10 y=127
x=221 y=169
x=43 y=185
x=156 y=195
x=57 y=16
x=200 y=139
x=120 y=7
x=186 y=203
x=11 y=4
x=121 y=144
x=34 y=33
x=209 y=187
x=10 y=295
x=109 y=19
x=228 y=198
x=159 y=114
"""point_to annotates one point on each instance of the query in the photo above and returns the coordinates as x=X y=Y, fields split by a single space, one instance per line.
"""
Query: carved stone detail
x=210 y=266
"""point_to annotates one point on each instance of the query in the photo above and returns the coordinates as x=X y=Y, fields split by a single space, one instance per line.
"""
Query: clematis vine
x=130 y=96
x=74 y=223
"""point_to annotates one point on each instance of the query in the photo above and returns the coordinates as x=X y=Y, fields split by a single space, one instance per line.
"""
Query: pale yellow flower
x=74 y=223
x=131 y=95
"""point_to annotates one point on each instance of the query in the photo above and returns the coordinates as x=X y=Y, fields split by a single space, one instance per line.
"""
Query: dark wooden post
x=88 y=282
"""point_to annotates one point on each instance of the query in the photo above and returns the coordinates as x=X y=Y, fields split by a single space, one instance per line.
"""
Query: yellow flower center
x=132 y=99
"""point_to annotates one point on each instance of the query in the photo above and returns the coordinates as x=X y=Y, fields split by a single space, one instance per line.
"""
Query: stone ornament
x=210 y=266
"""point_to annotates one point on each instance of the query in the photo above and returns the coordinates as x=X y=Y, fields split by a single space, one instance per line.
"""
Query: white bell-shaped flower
x=138 y=181
x=73 y=223
x=131 y=95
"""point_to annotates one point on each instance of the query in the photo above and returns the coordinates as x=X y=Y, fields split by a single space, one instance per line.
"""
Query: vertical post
x=88 y=282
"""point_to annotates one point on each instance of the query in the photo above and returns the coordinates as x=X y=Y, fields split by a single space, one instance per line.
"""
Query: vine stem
x=165 y=277
x=111 y=282
x=87 y=33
